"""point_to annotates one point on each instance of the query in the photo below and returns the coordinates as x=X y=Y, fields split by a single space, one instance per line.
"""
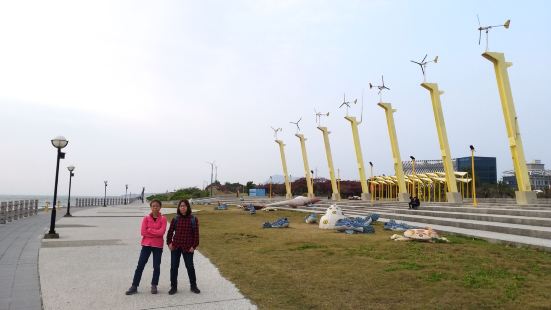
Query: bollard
x=36 y=206
x=9 y=212
x=15 y=210
x=25 y=208
x=21 y=209
x=3 y=212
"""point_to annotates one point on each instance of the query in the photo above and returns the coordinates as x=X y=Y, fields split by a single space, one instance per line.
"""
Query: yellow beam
x=288 y=194
x=524 y=195
x=306 y=166
x=359 y=156
x=452 y=195
x=335 y=195
x=398 y=169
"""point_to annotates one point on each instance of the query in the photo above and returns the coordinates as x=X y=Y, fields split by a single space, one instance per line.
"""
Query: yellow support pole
x=306 y=166
x=398 y=169
x=335 y=195
x=524 y=195
x=452 y=195
x=288 y=194
x=359 y=157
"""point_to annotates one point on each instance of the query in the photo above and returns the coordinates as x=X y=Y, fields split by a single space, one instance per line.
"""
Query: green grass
x=303 y=267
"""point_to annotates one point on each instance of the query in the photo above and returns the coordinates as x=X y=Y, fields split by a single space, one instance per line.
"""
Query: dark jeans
x=144 y=257
x=175 y=264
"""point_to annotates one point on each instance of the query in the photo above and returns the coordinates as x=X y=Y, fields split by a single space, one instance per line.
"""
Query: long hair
x=188 y=210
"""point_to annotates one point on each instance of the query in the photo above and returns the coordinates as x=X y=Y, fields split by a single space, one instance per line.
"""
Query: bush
x=184 y=193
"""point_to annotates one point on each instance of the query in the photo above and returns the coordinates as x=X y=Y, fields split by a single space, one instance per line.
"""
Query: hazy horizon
x=148 y=92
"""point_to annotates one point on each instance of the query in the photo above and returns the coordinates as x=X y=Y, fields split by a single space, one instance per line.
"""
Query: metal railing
x=13 y=210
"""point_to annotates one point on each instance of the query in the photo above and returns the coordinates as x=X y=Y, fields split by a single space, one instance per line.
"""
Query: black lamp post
x=71 y=175
x=126 y=194
x=105 y=195
x=59 y=143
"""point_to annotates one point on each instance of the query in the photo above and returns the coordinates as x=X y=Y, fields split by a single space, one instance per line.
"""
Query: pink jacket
x=153 y=231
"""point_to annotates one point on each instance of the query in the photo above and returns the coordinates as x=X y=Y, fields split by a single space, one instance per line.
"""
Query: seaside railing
x=100 y=201
x=13 y=210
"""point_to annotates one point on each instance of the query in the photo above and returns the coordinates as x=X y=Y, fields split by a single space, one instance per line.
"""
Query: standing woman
x=153 y=230
x=182 y=239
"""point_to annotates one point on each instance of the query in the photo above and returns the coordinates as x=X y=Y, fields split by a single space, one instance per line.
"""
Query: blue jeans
x=175 y=264
x=144 y=257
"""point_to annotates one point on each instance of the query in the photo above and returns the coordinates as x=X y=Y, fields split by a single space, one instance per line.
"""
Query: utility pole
x=211 y=175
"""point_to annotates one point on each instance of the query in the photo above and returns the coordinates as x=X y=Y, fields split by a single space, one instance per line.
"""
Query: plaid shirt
x=184 y=237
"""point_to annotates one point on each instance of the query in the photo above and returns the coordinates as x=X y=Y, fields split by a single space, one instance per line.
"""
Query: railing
x=13 y=210
x=100 y=201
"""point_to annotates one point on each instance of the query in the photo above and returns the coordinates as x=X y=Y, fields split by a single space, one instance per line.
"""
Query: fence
x=13 y=210
x=108 y=201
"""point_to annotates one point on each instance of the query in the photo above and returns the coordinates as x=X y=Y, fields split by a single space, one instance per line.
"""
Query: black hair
x=157 y=201
x=188 y=210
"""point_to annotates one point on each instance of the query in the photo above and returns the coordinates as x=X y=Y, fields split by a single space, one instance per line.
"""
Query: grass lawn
x=303 y=267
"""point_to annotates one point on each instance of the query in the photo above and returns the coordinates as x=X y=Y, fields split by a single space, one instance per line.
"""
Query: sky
x=148 y=92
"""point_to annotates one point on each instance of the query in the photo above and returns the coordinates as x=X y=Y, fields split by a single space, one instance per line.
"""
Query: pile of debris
x=221 y=207
x=427 y=235
x=351 y=225
x=279 y=223
x=393 y=225
x=312 y=218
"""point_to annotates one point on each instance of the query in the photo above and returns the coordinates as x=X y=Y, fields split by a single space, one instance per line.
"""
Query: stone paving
x=92 y=263
x=19 y=244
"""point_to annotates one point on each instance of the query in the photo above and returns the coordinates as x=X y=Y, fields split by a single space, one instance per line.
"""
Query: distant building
x=540 y=179
x=485 y=167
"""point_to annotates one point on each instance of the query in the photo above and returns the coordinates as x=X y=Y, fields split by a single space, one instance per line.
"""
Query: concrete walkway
x=92 y=264
x=19 y=244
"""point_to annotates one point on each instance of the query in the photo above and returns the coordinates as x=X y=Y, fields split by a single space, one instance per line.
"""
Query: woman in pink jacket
x=153 y=230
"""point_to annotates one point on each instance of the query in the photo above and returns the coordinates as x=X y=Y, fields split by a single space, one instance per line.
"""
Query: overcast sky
x=147 y=91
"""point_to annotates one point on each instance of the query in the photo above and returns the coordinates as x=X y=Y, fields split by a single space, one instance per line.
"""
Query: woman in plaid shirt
x=182 y=239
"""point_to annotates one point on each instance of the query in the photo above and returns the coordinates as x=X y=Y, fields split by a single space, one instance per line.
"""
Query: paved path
x=92 y=264
x=19 y=244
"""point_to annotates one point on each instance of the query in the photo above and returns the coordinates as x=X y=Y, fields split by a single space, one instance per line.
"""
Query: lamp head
x=412 y=158
x=105 y=183
x=371 y=164
x=471 y=147
x=59 y=142
x=71 y=168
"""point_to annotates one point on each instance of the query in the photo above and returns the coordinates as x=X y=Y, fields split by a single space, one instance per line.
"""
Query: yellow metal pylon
x=524 y=195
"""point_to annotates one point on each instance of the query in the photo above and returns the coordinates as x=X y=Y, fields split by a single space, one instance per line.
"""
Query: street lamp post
x=59 y=143
x=413 y=173
x=71 y=175
x=371 y=183
x=271 y=187
x=105 y=194
x=474 y=182
x=126 y=195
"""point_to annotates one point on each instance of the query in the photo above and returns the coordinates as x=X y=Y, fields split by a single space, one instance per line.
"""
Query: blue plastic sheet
x=279 y=223
x=351 y=225
x=393 y=225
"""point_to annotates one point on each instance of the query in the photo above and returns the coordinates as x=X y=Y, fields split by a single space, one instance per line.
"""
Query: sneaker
x=195 y=289
x=132 y=290
x=173 y=290
x=154 y=289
